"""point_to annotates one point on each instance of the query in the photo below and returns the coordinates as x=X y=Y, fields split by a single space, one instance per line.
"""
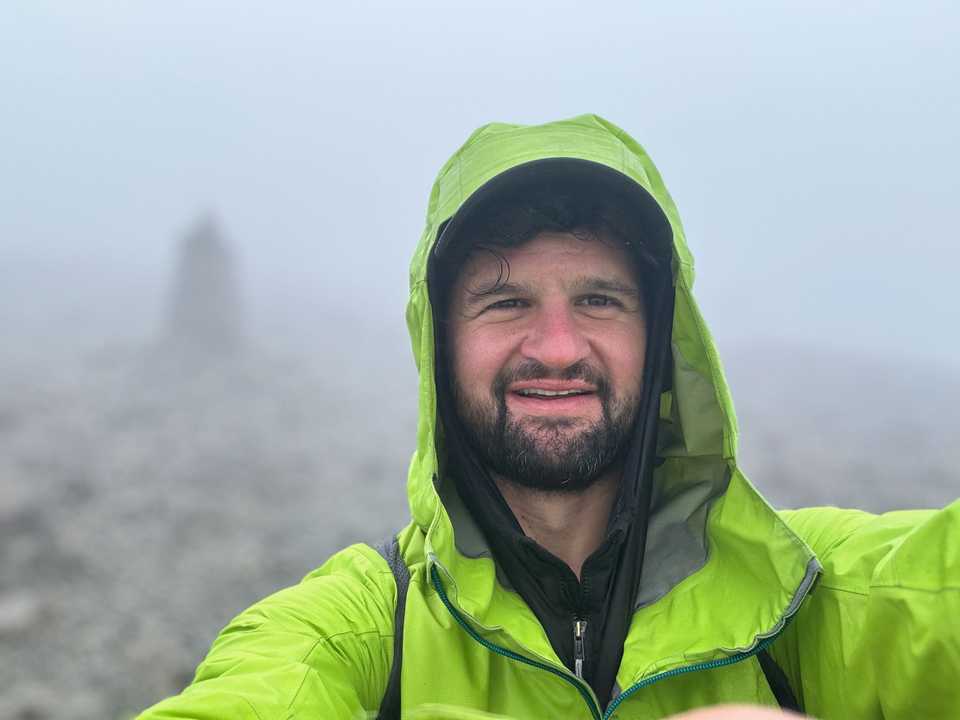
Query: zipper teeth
x=709 y=665
x=579 y=629
x=435 y=576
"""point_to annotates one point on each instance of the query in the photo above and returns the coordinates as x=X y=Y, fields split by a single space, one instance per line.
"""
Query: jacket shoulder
x=877 y=636
x=323 y=647
x=851 y=544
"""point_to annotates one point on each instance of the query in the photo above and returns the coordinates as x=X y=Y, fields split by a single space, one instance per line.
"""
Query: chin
x=553 y=422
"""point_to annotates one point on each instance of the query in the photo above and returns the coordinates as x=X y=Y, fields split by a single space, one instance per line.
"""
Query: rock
x=19 y=612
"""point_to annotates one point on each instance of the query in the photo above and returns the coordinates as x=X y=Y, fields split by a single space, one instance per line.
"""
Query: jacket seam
x=860 y=593
x=306 y=671
x=267 y=626
x=337 y=636
x=306 y=656
x=890 y=586
x=307 y=668
x=254 y=710
x=931 y=591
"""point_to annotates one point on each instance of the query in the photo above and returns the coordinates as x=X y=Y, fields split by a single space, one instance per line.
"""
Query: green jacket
x=862 y=612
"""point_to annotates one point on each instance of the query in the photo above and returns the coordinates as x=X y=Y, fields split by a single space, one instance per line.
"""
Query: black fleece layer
x=604 y=595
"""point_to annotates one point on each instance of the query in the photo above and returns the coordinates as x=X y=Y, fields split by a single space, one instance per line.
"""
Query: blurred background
x=206 y=215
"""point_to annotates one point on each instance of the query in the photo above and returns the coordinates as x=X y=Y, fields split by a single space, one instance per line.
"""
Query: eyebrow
x=476 y=297
x=581 y=284
x=592 y=284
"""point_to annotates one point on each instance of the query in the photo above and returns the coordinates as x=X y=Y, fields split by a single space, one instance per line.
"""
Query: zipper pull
x=579 y=633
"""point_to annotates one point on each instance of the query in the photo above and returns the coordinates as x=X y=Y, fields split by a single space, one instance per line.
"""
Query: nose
x=554 y=338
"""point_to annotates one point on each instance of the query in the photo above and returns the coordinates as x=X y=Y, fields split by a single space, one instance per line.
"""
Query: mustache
x=534 y=370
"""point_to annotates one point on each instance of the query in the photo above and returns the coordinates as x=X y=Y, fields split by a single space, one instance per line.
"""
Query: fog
x=147 y=495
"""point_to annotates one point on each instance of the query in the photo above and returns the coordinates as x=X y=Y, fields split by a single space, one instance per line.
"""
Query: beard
x=545 y=453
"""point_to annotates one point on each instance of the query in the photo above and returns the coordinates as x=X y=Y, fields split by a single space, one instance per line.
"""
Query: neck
x=569 y=525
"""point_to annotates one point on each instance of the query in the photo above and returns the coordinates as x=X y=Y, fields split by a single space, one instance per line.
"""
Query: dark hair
x=518 y=220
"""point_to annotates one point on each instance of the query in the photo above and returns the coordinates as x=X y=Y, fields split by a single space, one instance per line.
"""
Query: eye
x=508 y=304
x=600 y=301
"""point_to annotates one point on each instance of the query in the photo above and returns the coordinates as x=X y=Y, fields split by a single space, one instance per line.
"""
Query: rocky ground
x=142 y=506
x=145 y=502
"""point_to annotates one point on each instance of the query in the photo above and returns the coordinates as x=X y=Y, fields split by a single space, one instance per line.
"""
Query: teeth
x=550 y=393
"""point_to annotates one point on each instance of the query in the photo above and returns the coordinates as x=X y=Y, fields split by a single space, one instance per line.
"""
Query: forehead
x=549 y=257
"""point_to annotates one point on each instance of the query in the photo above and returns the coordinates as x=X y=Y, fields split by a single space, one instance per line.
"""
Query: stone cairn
x=205 y=311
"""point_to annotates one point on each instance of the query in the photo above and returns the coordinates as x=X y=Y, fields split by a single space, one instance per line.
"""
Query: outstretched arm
x=319 y=649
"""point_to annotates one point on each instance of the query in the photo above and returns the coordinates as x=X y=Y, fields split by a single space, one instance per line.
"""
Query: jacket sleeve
x=879 y=636
x=319 y=649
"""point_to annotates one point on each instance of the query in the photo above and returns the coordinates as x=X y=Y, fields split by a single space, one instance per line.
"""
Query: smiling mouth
x=548 y=394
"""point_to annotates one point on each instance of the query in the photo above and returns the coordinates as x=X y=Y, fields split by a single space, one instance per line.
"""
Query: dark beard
x=541 y=453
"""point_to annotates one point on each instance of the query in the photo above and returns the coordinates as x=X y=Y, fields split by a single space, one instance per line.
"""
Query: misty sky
x=812 y=149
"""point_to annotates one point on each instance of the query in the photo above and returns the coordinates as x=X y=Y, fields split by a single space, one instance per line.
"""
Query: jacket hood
x=708 y=529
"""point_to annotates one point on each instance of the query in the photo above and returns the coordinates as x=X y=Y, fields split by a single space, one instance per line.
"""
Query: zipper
x=564 y=674
x=723 y=662
x=585 y=692
x=579 y=636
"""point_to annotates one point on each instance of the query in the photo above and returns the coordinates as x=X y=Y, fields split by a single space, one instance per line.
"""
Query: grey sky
x=812 y=147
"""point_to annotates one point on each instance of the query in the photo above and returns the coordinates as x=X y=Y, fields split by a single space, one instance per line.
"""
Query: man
x=583 y=543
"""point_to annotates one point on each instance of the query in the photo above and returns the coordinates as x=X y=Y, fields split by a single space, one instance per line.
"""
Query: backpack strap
x=390 y=550
x=777 y=680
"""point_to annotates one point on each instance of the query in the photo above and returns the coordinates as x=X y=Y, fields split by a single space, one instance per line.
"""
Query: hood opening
x=611 y=576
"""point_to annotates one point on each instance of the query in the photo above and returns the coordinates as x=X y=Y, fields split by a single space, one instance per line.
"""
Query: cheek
x=477 y=358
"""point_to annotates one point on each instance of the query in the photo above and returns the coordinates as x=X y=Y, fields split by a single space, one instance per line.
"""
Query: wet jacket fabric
x=860 y=611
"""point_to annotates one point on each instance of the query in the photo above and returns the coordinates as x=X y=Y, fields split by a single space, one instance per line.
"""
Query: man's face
x=547 y=363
